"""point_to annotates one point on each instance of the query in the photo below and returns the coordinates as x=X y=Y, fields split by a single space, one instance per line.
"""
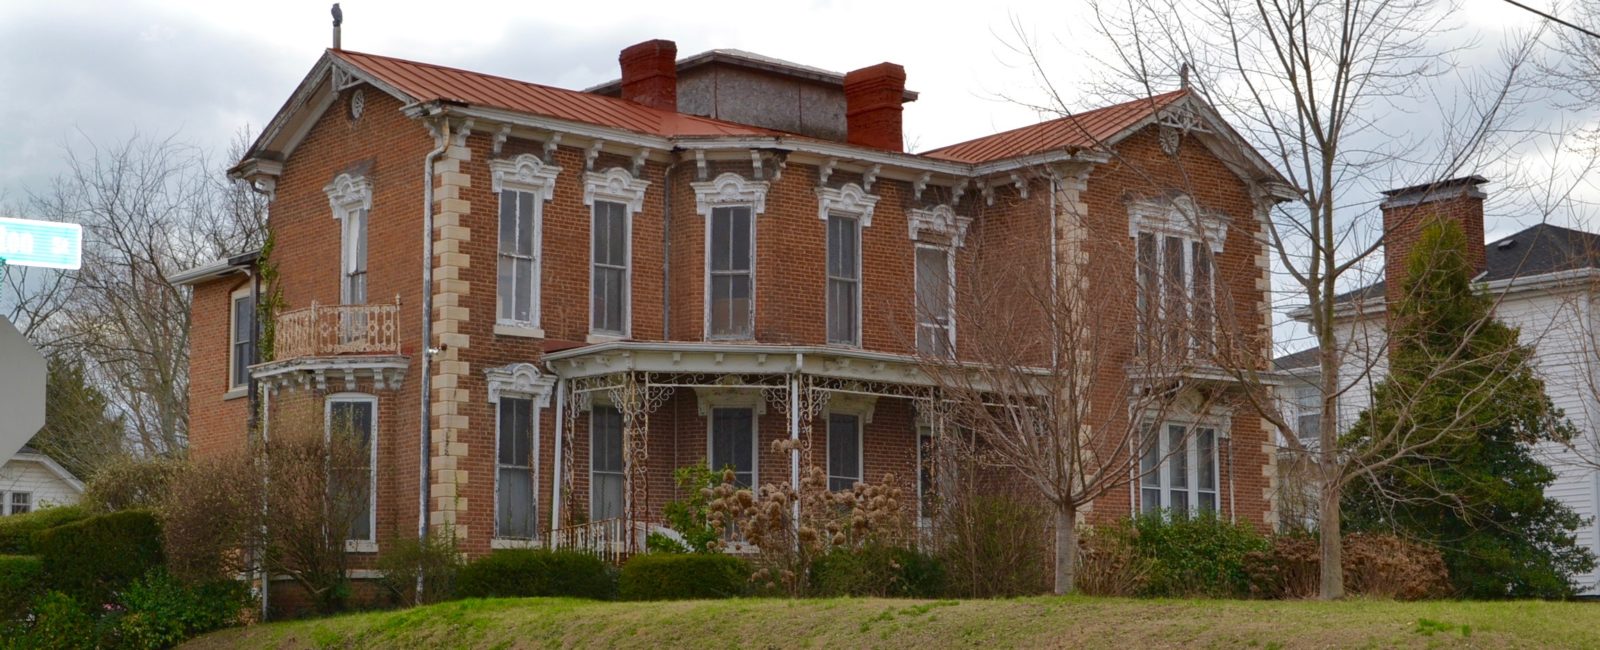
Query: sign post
x=45 y=244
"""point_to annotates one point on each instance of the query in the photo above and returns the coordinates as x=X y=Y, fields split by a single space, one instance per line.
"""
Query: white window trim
x=729 y=190
x=755 y=435
x=615 y=185
x=1191 y=458
x=520 y=380
x=347 y=194
x=1178 y=216
x=525 y=173
x=861 y=448
x=938 y=227
x=11 y=505
x=850 y=202
x=359 y=545
x=235 y=391
x=621 y=422
x=950 y=298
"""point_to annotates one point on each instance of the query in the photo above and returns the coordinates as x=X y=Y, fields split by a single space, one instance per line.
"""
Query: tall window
x=356 y=416
x=353 y=258
x=934 y=334
x=1308 y=410
x=731 y=306
x=242 y=344
x=605 y=463
x=609 y=283
x=19 y=503
x=844 y=451
x=518 y=284
x=844 y=280
x=733 y=443
x=1175 y=293
x=516 y=509
x=1179 y=470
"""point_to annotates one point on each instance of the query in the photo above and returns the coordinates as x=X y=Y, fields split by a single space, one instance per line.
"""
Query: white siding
x=1562 y=328
x=47 y=488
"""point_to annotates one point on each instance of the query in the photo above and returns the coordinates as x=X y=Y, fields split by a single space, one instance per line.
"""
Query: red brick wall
x=216 y=421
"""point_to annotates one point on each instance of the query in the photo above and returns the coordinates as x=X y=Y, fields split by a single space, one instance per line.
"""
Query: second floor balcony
x=348 y=342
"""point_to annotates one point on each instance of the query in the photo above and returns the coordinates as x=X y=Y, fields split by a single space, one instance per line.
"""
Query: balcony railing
x=329 y=330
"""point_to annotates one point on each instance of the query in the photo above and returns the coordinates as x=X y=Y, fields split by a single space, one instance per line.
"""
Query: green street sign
x=46 y=244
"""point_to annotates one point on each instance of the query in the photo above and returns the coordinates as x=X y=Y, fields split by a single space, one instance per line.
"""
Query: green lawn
x=1073 y=622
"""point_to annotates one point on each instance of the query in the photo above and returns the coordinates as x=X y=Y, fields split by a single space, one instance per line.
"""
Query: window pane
x=605 y=435
x=1205 y=456
x=1208 y=502
x=605 y=497
x=844 y=451
x=933 y=284
x=355 y=419
x=1147 y=288
x=243 y=343
x=1177 y=458
x=21 y=503
x=1152 y=456
x=721 y=305
x=1173 y=310
x=516 y=513
x=618 y=239
x=733 y=444
x=524 y=291
x=508 y=221
x=721 y=239
x=1202 y=296
x=525 y=204
x=507 y=287
x=1149 y=500
x=740 y=239
x=360 y=262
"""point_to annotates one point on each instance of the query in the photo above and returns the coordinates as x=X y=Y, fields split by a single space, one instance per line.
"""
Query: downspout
x=424 y=436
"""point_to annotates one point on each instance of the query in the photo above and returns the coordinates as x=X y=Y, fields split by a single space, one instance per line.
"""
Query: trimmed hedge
x=878 y=571
x=1202 y=556
x=19 y=584
x=91 y=560
x=537 y=572
x=683 y=576
x=17 y=531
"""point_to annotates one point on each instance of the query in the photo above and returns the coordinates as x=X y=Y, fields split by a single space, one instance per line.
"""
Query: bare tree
x=1050 y=389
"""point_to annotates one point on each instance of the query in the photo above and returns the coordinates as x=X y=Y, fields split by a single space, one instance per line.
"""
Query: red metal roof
x=428 y=82
x=1081 y=131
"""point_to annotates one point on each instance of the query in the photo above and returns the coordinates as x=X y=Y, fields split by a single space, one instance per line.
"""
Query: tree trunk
x=1330 y=542
x=1066 y=548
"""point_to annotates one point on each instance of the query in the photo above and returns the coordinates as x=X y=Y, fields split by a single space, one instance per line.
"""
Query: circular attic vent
x=358 y=103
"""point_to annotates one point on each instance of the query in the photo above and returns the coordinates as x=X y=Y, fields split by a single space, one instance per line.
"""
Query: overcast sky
x=77 y=71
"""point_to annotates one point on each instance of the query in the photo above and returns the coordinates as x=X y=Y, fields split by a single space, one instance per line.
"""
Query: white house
x=31 y=480
x=1545 y=280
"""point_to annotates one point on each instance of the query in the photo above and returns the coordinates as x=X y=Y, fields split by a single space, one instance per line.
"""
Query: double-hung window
x=19 y=503
x=733 y=443
x=731 y=271
x=516 y=510
x=609 y=281
x=605 y=463
x=1175 y=294
x=844 y=280
x=518 y=284
x=356 y=416
x=844 y=451
x=241 y=339
x=1178 y=470
x=935 y=336
x=353 y=258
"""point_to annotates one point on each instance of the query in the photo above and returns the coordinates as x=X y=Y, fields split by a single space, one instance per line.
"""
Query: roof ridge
x=1063 y=118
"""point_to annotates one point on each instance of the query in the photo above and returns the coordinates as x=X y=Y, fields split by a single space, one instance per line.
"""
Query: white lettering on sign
x=16 y=242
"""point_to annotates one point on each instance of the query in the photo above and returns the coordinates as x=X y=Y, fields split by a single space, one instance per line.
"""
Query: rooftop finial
x=338 y=19
x=1183 y=74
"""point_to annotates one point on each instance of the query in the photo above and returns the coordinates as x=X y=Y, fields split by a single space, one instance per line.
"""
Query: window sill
x=506 y=542
x=360 y=546
x=605 y=338
x=235 y=393
x=507 y=329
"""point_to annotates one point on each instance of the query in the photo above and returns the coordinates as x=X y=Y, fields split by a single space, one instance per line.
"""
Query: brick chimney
x=1408 y=209
x=650 y=74
x=872 y=98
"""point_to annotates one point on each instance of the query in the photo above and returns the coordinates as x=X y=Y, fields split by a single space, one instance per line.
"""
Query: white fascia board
x=209 y=271
x=1572 y=279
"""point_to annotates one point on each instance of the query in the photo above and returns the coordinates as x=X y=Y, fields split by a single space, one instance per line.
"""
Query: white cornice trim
x=941 y=220
x=1177 y=216
x=614 y=184
x=849 y=200
x=525 y=173
x=519 y=380
x=730 y=189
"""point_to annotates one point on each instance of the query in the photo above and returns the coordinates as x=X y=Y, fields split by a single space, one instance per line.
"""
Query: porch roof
x=737 y=358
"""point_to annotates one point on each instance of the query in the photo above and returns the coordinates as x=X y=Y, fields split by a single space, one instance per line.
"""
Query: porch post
x=561 y=436
x=794 y=436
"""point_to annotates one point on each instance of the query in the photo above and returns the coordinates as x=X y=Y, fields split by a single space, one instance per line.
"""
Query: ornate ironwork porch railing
x=612 y=540
x=328 y=330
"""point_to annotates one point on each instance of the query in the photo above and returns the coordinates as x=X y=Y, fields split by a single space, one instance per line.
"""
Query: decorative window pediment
x=525 y=173
x=348 y=192
x=940 y=220
x=730 y=189
x=856 y=404
x=614 y=184
x=1178 y=215
x=519 y=380
x=849 y=200
x=708 y=397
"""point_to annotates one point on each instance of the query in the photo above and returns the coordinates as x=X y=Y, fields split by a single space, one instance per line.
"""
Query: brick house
x=537 y=303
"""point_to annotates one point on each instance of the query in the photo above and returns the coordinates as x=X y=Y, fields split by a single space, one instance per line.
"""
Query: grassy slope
x=1032 y=622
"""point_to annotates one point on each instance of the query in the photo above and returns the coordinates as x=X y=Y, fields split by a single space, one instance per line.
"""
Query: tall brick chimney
x=1408 y=209
x=650 y=74
x=872 y=98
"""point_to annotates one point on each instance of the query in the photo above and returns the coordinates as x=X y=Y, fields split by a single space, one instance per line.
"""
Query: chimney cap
x=1465 y=186
x=1464 y=181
